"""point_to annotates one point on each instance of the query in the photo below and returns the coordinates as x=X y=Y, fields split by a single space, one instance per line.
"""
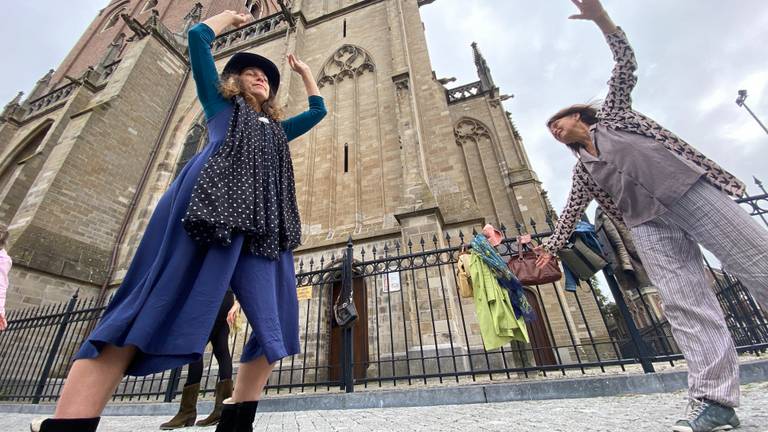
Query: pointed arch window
x=348 y=61
x=151 y=4
x=113 y=19
x=197 y=137
x=18 y=176
x=254 y=7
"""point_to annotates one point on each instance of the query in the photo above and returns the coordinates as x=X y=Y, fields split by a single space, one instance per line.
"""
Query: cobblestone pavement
x=643 y=413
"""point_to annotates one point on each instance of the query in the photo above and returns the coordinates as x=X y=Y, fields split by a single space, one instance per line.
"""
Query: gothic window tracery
x=347 y=62
x=469 y=130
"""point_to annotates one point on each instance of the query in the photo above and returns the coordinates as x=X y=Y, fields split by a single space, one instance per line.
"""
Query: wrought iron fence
x=413 y=328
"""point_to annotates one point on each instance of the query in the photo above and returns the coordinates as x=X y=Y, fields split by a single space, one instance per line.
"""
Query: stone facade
x=400 y=157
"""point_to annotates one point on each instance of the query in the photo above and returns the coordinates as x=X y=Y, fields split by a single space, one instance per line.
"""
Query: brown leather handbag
x=523 y=265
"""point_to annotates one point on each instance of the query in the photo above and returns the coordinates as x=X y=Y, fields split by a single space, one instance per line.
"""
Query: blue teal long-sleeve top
x=206 y=77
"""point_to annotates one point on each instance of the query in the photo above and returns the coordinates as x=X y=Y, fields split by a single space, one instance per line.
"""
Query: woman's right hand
x=590 y=10
x=543 y=256
x=3 y=322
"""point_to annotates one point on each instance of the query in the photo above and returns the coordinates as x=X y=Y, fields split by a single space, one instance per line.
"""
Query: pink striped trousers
x=668 y=246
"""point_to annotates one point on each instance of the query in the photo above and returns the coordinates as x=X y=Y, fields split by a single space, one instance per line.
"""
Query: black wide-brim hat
x=244 y=60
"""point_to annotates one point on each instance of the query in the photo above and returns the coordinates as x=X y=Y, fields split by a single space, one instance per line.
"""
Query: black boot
x=245 y=415
x=66 y=425
x=237 y=417
x=228 y=417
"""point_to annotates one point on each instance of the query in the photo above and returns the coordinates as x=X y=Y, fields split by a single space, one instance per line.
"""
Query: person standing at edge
x=672 y=198
x=5 y=267
x=229 y=219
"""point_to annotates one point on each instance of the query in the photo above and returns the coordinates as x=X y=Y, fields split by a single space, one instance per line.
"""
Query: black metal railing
x=413 y=328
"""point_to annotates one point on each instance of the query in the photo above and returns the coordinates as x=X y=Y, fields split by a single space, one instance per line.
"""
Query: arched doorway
x=537 y=331
x=359 y=334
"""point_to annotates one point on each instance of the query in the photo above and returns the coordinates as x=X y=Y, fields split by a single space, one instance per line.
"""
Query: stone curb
x=566 y=388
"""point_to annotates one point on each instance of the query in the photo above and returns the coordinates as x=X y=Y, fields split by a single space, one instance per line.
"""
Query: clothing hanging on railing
x=498 y=323
x=584 y=252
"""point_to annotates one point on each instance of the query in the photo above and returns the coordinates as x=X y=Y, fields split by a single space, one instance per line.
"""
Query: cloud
x=36 y=45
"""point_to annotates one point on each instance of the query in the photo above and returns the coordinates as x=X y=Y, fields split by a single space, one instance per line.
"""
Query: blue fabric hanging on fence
x=488 y=254
x=520 y=303
x=585 y=231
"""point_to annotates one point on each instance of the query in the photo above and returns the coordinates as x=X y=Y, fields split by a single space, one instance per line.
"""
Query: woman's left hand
x=232 y=314
x=298 y=66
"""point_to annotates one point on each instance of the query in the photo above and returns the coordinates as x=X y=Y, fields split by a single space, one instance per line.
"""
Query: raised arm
x=298 y=125
x=623 y=78
x=200 y=38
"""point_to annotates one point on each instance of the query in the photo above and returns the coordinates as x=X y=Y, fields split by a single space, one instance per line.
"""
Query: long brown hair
x=587 y=114
x=229 y=87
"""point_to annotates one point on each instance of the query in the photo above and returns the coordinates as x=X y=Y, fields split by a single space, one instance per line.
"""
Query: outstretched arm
x=300 y=124
x=623 y=78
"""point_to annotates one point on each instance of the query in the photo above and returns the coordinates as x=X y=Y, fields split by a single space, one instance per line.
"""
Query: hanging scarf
x=247 y=187
x=484 y=250
x=517 y=297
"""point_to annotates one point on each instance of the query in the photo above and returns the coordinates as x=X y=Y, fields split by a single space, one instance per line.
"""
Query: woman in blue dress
x=229 y=219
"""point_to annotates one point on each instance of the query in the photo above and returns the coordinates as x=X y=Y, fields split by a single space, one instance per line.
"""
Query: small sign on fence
x=304 y=292
x=390 y=282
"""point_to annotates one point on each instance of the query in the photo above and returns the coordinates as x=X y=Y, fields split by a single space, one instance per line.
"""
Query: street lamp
x=740 y=102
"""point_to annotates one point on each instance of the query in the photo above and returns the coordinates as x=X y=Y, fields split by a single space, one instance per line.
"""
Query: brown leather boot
x=223 y=391
x=187 y=409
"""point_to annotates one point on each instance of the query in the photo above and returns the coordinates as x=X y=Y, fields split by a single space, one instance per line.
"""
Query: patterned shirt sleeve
x=605 y=201
x=623 y=79
x=578 y=200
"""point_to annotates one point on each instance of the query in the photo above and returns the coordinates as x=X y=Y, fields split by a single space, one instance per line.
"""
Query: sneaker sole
x=687 y=429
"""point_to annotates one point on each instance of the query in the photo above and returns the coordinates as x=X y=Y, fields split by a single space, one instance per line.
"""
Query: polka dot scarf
x=247 y=187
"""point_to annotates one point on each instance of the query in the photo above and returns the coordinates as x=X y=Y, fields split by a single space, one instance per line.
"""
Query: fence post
x=173 y=382
x=346 y=287
x=54 y=349
x=641 y=348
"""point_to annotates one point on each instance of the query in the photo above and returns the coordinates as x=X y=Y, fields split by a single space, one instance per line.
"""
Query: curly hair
x=229 y=87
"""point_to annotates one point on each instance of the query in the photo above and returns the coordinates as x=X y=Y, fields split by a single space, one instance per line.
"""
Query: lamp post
x=740 y=102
